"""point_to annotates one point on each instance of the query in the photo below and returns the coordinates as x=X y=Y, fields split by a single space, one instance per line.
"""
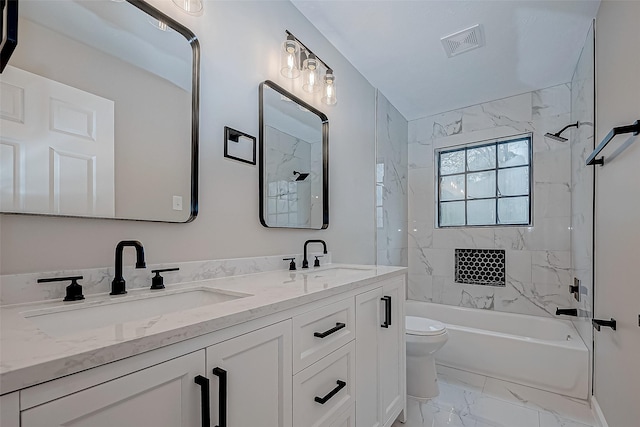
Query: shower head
x=299 y=176
x=557 y=136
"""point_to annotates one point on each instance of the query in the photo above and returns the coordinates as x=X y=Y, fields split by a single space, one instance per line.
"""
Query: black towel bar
x=635 y=128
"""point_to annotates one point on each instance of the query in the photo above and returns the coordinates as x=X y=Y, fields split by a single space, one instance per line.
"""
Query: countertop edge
x=49 y=370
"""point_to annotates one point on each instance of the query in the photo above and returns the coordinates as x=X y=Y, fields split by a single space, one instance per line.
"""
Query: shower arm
x=572 y=125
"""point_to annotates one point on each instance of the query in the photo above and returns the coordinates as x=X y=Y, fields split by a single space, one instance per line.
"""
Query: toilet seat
x=424 y=327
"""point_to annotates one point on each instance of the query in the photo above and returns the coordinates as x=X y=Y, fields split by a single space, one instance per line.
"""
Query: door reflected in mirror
x=99 y=113
x=294 y=149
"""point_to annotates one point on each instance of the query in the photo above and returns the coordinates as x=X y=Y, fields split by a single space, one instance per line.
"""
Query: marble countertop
x=29 y=356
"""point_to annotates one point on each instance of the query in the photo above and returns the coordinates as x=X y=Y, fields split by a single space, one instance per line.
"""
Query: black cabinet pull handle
x=330 y=331
x=203 y=382
x=387 y=311
x=323 y=400
x=222 y=396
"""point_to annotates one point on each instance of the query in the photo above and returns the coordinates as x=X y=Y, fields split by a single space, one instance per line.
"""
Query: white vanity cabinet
x=164 y=395
x=251 y=378
x=380 y=362
x=334 y=362
x=10 y=410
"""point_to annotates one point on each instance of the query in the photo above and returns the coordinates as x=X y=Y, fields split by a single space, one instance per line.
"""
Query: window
x=485 y=184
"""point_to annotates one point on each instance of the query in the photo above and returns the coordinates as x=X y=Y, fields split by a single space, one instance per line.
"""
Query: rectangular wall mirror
x=100 y=113
x=294 y=161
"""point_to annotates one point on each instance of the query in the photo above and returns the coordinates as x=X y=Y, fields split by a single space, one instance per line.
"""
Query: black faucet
x=118 y=284
x=305 y=263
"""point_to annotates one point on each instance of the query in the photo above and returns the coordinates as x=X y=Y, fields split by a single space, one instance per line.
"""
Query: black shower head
x=557 y=136
x=301 y=176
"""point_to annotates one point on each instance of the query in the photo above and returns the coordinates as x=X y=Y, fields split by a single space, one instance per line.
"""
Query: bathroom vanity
x=306 y=348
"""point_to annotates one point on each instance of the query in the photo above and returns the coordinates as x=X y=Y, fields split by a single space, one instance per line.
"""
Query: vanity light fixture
x=290 y=58
x=191 y=7
x=311 y=80
x=329 y=92
x=296 y=59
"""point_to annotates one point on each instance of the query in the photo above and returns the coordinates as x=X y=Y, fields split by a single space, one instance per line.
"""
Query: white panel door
x=392 y=353
x=368 y=321
x=163 y=395
x=57 y=147
x=258 y=370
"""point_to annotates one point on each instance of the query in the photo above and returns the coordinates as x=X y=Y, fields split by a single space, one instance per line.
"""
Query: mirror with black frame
x=100 y=113
x=294 y=161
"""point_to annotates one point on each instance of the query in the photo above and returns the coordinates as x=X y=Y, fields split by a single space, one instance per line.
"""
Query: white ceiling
x=396 y=45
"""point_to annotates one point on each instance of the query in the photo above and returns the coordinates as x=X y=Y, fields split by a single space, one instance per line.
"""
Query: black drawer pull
x=203 y=382
x=330 y=331
x=222 y=396
x=323 y=400
x=387 y=311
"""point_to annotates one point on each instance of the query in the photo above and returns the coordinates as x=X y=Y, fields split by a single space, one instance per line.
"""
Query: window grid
x=284 y=206
x=497 y=195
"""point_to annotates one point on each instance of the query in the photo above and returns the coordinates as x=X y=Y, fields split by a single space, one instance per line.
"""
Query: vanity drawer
x=321 y=331
x=325 y=390
x=347 y=418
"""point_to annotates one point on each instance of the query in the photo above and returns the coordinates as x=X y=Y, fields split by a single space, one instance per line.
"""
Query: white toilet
x=424 y=338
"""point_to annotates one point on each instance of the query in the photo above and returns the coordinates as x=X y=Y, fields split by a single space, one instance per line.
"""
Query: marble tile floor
x=471 y=400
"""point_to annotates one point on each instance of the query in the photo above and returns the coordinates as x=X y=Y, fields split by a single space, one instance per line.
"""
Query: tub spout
x=567 y=311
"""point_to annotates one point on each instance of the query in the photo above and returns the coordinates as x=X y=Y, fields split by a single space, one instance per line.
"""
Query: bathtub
x=539 y=352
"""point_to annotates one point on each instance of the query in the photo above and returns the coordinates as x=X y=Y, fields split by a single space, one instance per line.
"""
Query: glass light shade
x=290 y=59
x=329 y=91
x=311 y=78
x=189 y=6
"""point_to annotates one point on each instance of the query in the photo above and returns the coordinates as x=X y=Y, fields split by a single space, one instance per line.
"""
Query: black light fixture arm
x=289 y=33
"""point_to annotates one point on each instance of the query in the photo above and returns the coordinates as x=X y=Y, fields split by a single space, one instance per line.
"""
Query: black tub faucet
x=305 y=262
x=567 y=311
x=118 y=285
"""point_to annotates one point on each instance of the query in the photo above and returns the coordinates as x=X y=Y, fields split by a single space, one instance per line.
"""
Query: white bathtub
x=535 y=351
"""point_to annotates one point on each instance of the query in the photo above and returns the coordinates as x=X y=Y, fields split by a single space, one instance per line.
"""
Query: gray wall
x=240 y=48
x=617 y=290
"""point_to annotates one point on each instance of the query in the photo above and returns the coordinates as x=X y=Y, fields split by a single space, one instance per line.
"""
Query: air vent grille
x=463 y=41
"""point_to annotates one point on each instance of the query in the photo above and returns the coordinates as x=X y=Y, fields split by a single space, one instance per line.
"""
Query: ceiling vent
x=463 y=41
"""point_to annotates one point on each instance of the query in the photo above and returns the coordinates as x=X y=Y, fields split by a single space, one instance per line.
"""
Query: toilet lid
x=423 y=326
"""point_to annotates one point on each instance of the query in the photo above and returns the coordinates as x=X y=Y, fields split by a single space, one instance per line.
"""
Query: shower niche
x=293 y=158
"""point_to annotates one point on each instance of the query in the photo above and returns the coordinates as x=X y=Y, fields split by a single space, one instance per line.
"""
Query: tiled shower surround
x=538 y=258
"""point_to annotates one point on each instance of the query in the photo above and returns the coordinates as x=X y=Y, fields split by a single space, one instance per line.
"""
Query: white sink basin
x=67 y=319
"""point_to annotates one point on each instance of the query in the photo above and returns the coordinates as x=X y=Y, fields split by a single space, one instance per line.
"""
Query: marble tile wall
x=21 y=288
x=538 y=258
x=289 y=202
x=391 y=183
x=582 y=144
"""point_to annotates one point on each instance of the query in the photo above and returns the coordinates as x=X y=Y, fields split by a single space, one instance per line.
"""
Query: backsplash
x=21 y=288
